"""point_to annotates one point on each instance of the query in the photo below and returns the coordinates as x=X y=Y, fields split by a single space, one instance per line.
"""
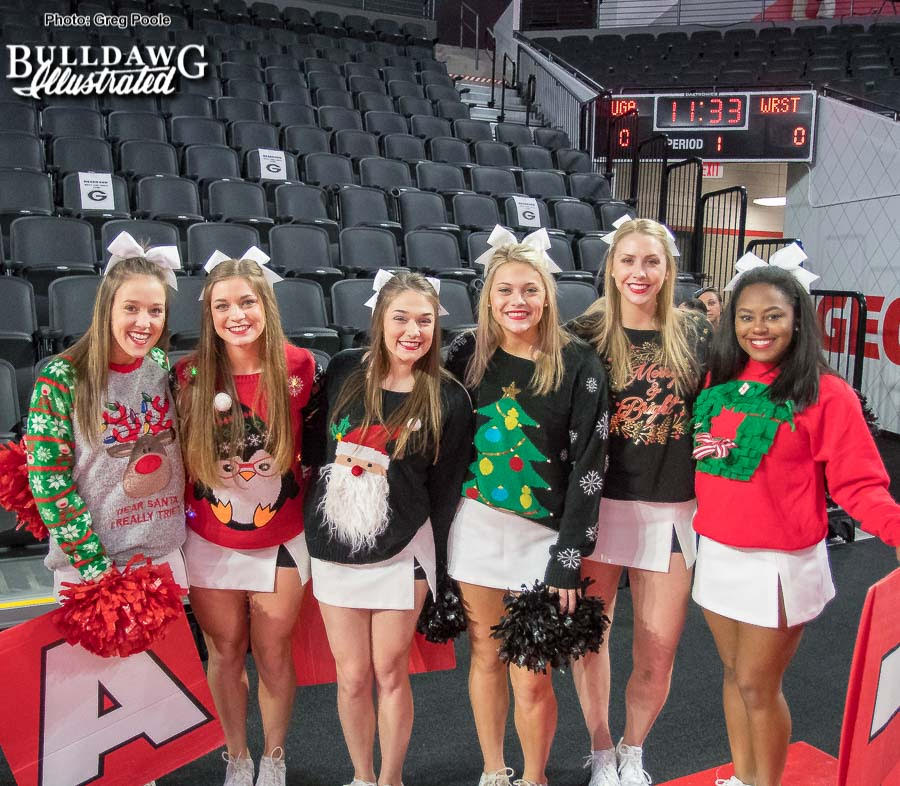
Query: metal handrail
x=490 y=32
x=858 y=325
x=463 y=7
x=862 y=101
x=513 y=84
x=559 y=61
x=530 y=90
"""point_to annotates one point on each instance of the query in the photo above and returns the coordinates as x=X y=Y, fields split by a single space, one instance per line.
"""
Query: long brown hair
x=199 y=420
x=90 y=354
x=602 y=325
x=423 y=405
x=548 y=360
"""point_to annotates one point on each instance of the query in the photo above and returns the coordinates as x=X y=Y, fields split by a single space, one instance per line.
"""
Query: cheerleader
x=532 y=492
x=653 y=352
x=104 y=463
x=244 y=396
x=398 y=427
x=775 y=426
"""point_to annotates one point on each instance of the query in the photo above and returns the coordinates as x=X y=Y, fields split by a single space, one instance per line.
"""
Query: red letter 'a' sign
x=70 y=717
x=870 y=737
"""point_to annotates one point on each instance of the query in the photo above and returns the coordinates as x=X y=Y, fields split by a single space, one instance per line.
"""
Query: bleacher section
x=851 y=58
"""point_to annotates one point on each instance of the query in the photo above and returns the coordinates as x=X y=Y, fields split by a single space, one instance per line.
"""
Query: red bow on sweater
x=707 y=445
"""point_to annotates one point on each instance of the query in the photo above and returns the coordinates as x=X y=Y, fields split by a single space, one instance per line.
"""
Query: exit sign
x=713 y=169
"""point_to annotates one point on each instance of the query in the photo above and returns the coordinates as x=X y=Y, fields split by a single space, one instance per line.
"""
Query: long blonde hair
x=548 y=359
x=200 y=422
x=602 y=325
x=423 y=405
x=90 y=354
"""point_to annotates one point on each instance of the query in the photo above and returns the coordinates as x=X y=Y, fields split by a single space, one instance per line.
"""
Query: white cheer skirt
x=495 y=548
x=742 y=584
x=212 y=566
x=639 y=534
x=389 y=584
x=174 y=559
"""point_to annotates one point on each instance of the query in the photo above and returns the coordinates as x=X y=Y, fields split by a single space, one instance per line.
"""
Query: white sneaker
x=732 y=781
x=498 y=778
x=523 y=782
x=358 y=782
x=238 y=771
x=603 y=767
x=272 y=769
x=631 y=765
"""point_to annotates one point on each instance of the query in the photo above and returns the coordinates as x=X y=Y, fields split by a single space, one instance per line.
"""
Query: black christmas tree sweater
x=419 y=487
x=540 y=457
x=650 y=428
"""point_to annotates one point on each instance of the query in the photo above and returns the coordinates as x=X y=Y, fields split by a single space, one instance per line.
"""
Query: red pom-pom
x=15 y=493
x=472 y=492
x=123 y=612
x=516 y=464
x=356 y=470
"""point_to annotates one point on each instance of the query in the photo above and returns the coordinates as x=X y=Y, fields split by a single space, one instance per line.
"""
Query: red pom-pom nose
x=356 y=470
x=147 y=465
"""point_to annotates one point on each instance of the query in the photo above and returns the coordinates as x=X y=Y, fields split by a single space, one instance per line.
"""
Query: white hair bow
x=383 y=276
x=500 y=236
x=609 y=236
x=254 y=254
x=789 y=258
x=124 y=246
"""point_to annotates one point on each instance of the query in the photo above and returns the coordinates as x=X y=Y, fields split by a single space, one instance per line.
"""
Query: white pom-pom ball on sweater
x=222 y=402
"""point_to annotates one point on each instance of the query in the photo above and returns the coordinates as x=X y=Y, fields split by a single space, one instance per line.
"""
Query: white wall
x=846 y=210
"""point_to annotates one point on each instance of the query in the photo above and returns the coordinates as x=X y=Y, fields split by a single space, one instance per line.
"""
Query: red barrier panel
x=69 y=717
x=870 y=736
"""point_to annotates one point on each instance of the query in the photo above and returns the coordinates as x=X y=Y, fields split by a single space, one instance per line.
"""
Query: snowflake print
x=56 y=481
x=56 y=368
x=39 y=422
x=91 y=571
x=564 y=455
x=42 y=454
x=591 y=483
x=254 y=441
x=37 y=484
x=224 y=448
x=295 y=385
x=591 y=533
x=570 y=559
x=602 y=427
x=67 y=531
x=91 y=547
x=573 y=436
x=591 y=384
x=48 y=516
x=84 y=518
x=54 y=427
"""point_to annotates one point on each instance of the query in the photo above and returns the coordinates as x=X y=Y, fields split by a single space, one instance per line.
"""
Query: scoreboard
x=738 y=126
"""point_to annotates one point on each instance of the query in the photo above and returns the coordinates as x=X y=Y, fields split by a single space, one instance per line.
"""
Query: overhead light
x=771 y=201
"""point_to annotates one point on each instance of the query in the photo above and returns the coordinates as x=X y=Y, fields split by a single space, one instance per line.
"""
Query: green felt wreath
x=754 y=435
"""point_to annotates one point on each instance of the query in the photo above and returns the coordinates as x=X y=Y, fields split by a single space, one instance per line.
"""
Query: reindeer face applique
x=142 y=439
x=250 y=490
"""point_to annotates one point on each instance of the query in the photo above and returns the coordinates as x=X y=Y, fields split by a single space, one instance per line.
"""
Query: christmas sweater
x=762 y=467
x=106 y=502
x=650 y=423
x=253 y=506
x=417 y=487
x=540 y=457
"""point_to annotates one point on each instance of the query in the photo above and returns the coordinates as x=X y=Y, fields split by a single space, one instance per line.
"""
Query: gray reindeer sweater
x=123 y=495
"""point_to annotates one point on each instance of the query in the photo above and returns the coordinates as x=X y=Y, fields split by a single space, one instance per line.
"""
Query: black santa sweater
x=419 y=488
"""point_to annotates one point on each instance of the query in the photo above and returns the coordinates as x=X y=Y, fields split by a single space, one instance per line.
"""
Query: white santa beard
x=355 y=508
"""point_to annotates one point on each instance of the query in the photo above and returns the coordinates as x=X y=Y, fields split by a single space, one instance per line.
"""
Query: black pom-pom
x=442 y=618
x=534 y=635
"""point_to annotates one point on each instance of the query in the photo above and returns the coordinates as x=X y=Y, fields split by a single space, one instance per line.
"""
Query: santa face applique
x=354 y=502
x=250 y=490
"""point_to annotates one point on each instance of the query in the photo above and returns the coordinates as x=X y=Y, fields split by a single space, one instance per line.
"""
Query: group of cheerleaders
x=394 y=469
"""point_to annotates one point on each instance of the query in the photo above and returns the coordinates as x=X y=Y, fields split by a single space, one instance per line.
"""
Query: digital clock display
x=748 y=126
x=724 y=112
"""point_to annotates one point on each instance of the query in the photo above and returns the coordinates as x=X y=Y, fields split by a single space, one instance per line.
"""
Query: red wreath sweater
x=782 y=506
x=255 y=507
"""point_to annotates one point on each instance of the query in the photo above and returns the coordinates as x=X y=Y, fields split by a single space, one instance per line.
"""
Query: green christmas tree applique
x=756 y=432
x=503 y=473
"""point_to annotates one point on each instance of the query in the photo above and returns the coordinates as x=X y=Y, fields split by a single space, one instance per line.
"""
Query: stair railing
x=513 y=85
x=464 y=25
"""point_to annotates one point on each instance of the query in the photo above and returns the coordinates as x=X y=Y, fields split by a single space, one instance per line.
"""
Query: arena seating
x=848 y=57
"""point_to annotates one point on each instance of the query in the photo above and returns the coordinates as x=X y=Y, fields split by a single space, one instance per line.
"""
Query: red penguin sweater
x=254 y=506
x=769 y=490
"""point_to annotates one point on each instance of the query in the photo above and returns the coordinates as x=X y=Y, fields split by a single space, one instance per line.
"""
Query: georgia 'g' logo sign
x=92 y=706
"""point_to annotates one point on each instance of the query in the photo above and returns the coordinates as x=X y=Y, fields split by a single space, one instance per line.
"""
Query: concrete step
x=492 y=115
